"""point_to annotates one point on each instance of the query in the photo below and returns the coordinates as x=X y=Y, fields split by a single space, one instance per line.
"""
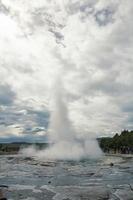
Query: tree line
x=122 y=143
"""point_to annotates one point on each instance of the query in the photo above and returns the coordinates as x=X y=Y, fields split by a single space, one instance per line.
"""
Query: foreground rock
x=66 y=180
x=2 y=195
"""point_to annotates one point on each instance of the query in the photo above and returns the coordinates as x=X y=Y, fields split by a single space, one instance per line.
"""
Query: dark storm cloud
x=25 y=119
x=9 y=116
x=41 y=117
x=108 y=86
x=7 y=95
x=58 y=35
x=33 y=130
x=86 y=7
x=127 y=106
x=104 y=16
x=23 y=138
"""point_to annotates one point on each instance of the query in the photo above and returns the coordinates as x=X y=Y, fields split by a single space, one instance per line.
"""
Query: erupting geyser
x=65 y=144
x=63 y=139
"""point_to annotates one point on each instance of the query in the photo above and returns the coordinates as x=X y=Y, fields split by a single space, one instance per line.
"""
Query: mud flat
x=30 y=179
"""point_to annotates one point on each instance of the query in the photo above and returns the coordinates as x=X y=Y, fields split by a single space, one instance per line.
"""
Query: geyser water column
x=64 y=141
x=63 y=138
x=60 y=128
x=61 y=134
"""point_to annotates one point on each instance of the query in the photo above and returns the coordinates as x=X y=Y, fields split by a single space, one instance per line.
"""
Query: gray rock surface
x=29 y=179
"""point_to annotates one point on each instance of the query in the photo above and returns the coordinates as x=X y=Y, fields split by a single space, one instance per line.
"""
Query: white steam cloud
x=65 y=143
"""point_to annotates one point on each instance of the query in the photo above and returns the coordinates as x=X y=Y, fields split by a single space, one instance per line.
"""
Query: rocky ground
x=29 y=179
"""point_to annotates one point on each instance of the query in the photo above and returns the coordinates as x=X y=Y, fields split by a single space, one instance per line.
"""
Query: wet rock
x=111 y=164
x=10 y=158
x=3 y=186
x=89 y=174
x=131 y=186
x=2 y=195
x=66 y=199
x=28 y=159
x=62 y=181
x=48 y=164
x=124 y=194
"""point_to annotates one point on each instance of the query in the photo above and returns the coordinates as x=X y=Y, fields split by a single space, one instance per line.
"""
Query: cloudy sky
x=88 y=44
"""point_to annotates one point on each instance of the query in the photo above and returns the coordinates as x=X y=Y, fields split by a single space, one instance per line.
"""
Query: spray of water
x=62 y=137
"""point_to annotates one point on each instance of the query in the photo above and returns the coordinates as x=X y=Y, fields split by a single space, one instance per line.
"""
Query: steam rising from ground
x=64 y=142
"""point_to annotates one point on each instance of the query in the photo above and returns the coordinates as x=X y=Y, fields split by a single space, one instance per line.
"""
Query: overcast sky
x=88 y=43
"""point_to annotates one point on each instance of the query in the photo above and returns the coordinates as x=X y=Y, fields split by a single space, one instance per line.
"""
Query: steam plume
x=63 y=138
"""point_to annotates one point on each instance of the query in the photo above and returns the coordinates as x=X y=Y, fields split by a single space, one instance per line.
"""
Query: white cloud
x=88 y=43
